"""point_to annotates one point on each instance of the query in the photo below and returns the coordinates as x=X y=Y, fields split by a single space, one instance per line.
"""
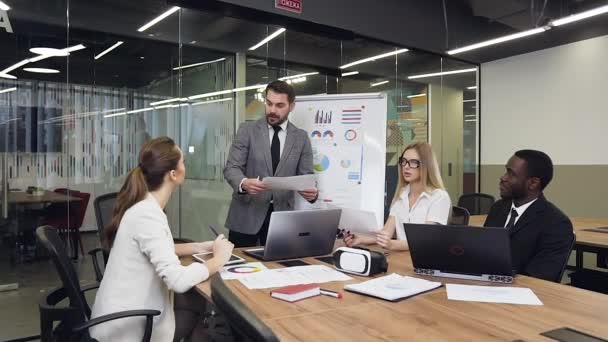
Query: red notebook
x=296 y=292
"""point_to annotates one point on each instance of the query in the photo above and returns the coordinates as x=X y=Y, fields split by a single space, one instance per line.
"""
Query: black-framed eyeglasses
x=413 y=163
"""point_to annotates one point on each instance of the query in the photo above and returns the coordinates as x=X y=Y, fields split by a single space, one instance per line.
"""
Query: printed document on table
x=296 y=183
x=492 y=294
x=393 y=287
x=296 y=275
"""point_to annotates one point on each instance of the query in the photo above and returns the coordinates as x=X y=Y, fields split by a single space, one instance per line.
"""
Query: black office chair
x=476 y=204
x=460 y=216
x=566 y=258
x=74 y=319
x=104 y=209
x=245 y=325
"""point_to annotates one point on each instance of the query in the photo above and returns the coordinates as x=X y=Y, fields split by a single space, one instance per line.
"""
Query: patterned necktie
x=275 y=148
x=512 y=219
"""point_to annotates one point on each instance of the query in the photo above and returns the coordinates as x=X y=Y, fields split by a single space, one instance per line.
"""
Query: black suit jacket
x=541 y=240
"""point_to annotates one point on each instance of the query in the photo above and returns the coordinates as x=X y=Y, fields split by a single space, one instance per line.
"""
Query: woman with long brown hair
x=144 y=270
x=420 y=197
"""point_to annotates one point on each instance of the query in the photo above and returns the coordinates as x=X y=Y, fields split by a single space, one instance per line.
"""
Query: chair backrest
x=460 y=216
x=48 y=237
x=244 y=323
x=566 y=258
x=476 y=204
x=104 y=209
x=80 y=207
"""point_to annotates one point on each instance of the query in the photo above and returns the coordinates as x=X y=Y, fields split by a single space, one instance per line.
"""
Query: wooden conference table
x=426 y=317
x=586 y=241
x=23 y=198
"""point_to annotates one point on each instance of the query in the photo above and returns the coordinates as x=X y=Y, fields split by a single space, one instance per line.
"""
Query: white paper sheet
x=292 y=276
x=242 y=270
x=492 y=294
x=358 y=221
x=296 y=183
x=393 y=286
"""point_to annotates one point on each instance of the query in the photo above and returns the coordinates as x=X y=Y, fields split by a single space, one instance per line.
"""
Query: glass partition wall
x=84 y=84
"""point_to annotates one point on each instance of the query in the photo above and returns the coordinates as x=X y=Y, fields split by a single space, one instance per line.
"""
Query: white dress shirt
x=142 y=273
x=282 y=135
x=433 y=207
x=520 y=211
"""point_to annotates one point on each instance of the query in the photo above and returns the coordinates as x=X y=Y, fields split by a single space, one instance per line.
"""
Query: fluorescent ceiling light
x=15 y=66
x=159 y=18
x=580 y=16
x=75 y=48
x=267 y=39
x=117 y=44
x=371 y=59
x=168 y=101
x=49 y=51
x=472 y=120
x=442 y=73
x=8 y=90
x=472 y=87
x=211 y=101
x=417 y=95
x=469 y=100
x=41 y=70
x=197 y=64
x=379 y=83
x=498 y=40
x=297 y=76
x=227 y=91
x=63 y=52
x=11 y=77
x=350 y=73
x=4 y=6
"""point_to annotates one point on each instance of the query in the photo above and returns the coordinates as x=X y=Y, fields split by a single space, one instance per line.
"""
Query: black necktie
x=512 y=219
x=275 y=148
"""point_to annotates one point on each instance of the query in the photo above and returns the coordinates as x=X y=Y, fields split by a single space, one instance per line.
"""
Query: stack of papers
x=292 y=276
x=297 y=183
x=492 y=294
x=393 y=287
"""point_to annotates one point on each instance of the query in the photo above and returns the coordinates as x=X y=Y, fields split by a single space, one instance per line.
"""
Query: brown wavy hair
x=156 y=157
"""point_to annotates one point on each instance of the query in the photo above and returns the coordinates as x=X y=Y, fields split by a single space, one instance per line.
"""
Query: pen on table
x=331 y=293
x=214 y=230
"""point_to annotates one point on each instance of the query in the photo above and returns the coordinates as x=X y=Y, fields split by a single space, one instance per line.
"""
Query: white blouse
x=433 y=207
x=141 y=273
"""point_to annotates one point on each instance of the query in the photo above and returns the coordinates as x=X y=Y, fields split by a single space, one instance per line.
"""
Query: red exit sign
x=289 y=5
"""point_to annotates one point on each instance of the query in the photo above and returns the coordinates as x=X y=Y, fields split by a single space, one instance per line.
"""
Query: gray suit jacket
x=250 y=157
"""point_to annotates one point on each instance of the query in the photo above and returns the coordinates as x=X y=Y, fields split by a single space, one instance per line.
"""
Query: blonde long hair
x=429 y=169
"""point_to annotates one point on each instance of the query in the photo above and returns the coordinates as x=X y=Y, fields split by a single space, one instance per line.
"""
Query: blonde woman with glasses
x=420 y=197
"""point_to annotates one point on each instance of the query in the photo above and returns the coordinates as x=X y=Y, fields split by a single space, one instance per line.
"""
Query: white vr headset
x=360 y=261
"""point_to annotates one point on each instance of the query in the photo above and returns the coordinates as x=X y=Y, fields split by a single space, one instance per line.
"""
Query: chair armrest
x=113 y=316
x=90 y=287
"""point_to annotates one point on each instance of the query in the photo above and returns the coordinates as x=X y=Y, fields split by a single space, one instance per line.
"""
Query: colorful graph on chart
x=352 y=116
x=323 y=118
x=320 y=162
x=350 y=135
x=315 y=134
x=328 y=134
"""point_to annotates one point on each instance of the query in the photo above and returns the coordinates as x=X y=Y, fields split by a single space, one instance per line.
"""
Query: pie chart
x=320 y=162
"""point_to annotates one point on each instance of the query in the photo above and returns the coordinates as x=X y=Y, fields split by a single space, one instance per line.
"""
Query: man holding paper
x=269 y=147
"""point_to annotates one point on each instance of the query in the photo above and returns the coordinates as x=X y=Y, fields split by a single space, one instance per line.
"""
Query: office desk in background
x=426 y=317
x=23 y=198
x=586 y=241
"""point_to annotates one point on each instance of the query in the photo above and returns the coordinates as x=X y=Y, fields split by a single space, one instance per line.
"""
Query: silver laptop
x=298 y=234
